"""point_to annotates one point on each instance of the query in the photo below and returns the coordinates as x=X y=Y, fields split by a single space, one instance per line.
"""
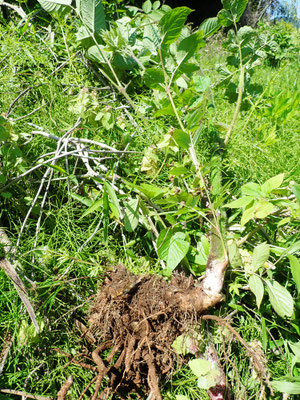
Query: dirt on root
x=135 y=320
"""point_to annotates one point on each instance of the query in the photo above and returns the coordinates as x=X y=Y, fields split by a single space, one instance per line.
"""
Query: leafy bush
x=285 y=37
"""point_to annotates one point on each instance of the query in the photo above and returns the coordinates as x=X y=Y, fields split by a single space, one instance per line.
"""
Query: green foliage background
x=64 y=67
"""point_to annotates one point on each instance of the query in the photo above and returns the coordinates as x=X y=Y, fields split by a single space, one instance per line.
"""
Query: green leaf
x=58 y=6
x=235 y=258
x=163 y=243
x=271 y=184
x=251 y=189
x=177 y=251
x=172 y=23
x=194 y=118
x=248 y=214
x=84 y=200
x=94 y=207
x=181 y=397
x=114 y=202
x=181 y=82
x=147 y=6
x=179 y=171
x=286 y=387
x=261 y=254
x=264 y=208
x=200 y=367
x=181 y=138
x=156 y=5
x=93 y=15
x=237 y=7
x=280 y=299
x=209 y=26
x=295 y=348
x=239 y=203
x=94 y=52
x=186 y=343
x=296 y=190
x=131 y=217
x=172 y=248
x=201 y=83
x=57 y=168
x=154 y=78
x=150 y=161
x=105 y=215
x=123 y=61
x=189 y=46
x=295 y=268
x=209 y=381
x=225 y=18
x=4 y=134
x=256 y=286
x=151 y=191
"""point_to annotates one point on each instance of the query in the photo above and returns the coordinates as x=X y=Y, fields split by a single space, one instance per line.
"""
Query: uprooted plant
x=137 y=321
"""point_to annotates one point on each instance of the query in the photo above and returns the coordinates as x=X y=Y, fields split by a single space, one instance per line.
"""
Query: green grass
x=65 y=273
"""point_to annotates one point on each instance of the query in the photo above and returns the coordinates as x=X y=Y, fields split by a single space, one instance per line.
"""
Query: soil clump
x=135 y=319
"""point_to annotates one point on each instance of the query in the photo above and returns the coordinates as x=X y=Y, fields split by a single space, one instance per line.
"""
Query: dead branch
x=61 y=395
x=30 y=396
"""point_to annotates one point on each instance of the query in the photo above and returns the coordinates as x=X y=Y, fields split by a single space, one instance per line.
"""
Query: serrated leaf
x=239 y=203
x=201 y=83
x=209 y=381
x=271 y=184
x=172 y=23
x=185 y=344
x=209 y=26
x=286 y=387
x=280 y=299
x=200 y=367
x=264 y=208
x=131 y=217
x=295 y=268
x=256 y=286
x=251 y=189
x=261 y=254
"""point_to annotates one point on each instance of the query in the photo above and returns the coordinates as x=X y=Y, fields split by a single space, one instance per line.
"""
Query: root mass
x=135 y=320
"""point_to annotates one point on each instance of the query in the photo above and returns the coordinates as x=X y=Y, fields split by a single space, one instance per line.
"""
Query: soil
x=135 y=320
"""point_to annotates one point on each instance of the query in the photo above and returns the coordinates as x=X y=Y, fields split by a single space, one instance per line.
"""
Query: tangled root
x=136 y=319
